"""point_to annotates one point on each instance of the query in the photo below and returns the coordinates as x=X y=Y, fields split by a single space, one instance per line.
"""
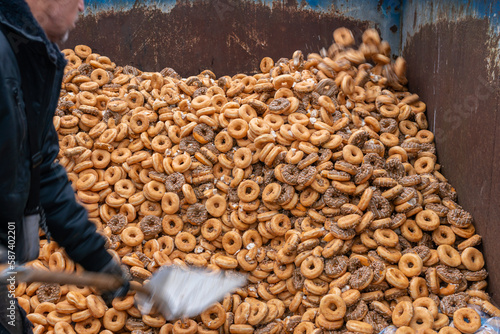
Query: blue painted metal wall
x=418 y=13
x=396 y=19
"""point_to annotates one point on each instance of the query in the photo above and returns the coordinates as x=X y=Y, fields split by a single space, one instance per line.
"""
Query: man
x=34 y=190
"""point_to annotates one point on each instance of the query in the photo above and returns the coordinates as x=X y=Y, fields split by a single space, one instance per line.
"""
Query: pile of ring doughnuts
x=317 y=177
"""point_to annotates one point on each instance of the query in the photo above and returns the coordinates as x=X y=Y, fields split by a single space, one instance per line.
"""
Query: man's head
x=56 y=17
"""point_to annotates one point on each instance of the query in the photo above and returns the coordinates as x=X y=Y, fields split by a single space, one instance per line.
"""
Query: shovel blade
x=186 y=292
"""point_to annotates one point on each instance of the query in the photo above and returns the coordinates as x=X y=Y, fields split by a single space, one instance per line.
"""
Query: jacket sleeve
x=14 y=166
x=67 y=221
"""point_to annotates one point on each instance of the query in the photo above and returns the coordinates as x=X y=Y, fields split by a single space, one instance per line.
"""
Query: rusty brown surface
x=448 y=68
x=227 y=37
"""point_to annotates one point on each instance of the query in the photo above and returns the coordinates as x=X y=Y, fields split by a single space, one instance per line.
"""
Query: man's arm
x=67 y=220
x=14 y=170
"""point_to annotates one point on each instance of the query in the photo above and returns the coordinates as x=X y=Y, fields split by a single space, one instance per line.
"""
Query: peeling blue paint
x=417 y=13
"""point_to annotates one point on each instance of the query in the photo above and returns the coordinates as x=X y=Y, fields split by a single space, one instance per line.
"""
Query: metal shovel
x=174 y=291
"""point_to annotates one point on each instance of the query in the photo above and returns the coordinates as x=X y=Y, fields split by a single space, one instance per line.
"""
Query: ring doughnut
x=242 y=157
x=185 y=242
x=69 y=121
x=65 y=328
x=96 y=306
x=472 y=259
x=37 y=319
x=161 y=143
x=283 y=81
x=216 y=205
x=359 y=327
x=203 y=133
x=422 y=319
x=134 y=99
x=343 y=36
x=449 y=256
x=411 y=231
x=87 y=99
x=405 y=330
x=271 y=192
x=100 y=158
x=321 y=322
x=424 y=165
x=248 y=191
x=279 y=224
x=231 y=242
x=153 y=321
x=237 y=128
x=153 y=191
x=428 y=304
x=172 y=224
x=396 y=278
x=258 y=312
x=410 y=264
x=427 y=220
x=312 y=267
x=81 y=316
x=119 y=156
x=56 y=262
x=304 y=327
x=54 y=317
x=83 y=51
x=211 y=229
x=332 y=307
x=266 y=64
x=201 y=102
x=100 y=76
x=402 y=314
x=390 y=111
x=188 y=327
x=77 y=299
x=386 y=237
x=466 y=320
x=150 y=226
x=443 y=235
x=181 y=163
x=45 y=307
x=352 y=154
x=441 y=321
x=132 y=236
x=449 y=330
x=139 y=123
x=89 y=325
x=223 y=141
x=170 y=203
x=123 y=303
x=125 y=188
x=418 y=287
x=114 y=320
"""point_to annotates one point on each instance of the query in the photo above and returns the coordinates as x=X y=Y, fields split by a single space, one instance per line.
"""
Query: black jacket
x=31 y=70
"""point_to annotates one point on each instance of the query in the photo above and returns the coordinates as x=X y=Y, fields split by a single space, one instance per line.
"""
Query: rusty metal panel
x=452 y=50
x=223 y=35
